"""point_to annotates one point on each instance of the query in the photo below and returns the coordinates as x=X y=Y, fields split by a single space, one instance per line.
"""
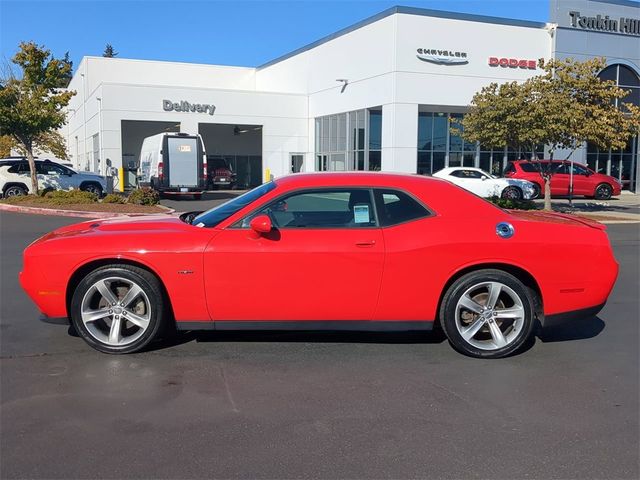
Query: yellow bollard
x=121 y=179
x=267 y=174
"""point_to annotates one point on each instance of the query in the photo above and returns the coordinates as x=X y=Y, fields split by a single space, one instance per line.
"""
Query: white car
x=15 y=178
x=486 y=185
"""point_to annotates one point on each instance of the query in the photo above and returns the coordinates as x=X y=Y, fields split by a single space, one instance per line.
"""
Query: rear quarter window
x=395 y=207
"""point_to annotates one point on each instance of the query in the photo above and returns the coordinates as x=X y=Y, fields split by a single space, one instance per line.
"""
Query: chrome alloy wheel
x=489 y=315
x=116 y=311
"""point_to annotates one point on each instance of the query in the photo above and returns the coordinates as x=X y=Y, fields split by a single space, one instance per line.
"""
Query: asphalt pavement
x=317 y=405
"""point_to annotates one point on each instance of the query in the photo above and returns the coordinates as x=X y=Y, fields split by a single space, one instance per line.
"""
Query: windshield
x=213 y=217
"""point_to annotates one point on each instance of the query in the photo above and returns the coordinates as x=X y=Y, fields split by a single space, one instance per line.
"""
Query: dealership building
x=378 y=95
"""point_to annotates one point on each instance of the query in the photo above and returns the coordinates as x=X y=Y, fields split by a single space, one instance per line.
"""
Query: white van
x=173 y=163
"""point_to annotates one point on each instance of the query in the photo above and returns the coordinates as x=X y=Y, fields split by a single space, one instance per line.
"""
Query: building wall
x=573 y=41
x=378 y=59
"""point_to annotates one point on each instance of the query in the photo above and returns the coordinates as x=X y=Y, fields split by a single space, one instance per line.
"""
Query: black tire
x=512 y=193
x=15 y=190
x=603 y=192
x=514 y=332
x=92 y=188
x=536 y=191
x=148 y=284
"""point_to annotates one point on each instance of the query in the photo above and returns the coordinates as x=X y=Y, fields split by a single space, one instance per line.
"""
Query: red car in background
x=586 y=182
x=330 y=251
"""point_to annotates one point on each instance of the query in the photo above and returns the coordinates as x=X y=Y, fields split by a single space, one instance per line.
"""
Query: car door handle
x=369 y=243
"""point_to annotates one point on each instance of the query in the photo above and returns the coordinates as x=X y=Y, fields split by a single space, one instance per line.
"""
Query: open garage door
x=133 y=133
x=237 y=146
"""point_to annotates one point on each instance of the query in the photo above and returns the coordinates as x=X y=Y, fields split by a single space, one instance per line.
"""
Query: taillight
x=204 y=170
x=160 y=173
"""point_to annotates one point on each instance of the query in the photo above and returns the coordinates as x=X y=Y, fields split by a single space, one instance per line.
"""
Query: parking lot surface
x=317 y=405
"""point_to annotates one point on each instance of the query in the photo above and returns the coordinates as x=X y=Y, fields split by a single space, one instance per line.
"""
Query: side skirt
x=329 y=325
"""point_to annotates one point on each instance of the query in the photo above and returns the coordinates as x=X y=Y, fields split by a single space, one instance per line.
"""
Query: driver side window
x=343 y=208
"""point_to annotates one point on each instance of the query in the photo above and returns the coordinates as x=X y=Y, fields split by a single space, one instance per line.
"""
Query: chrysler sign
x=442 y=57
x=184 y=106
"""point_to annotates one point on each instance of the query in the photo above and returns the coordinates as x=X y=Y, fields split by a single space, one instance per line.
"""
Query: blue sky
x=217 y=32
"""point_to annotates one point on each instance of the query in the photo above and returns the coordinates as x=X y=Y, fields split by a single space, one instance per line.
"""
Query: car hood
x=165 y=224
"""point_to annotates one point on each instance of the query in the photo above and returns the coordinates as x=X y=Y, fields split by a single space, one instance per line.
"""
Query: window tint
x=213 y=217
x=579 y=170
x=530 y=167
x=510 y=168
x=561 y=168
x=19 y=167
x=48 y=168
x=396 y=207
x=343 y=208
x=466 y=174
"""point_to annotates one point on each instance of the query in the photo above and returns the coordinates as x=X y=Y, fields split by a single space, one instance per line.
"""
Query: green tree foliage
x=32 y=106
x=562 y=108
x=6 y=144
x=109 y=52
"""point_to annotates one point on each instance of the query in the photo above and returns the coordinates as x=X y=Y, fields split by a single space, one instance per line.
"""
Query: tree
x=109 y=52
x=563 y=108
x=32 y=107
x=66 y=79
x=6 y=144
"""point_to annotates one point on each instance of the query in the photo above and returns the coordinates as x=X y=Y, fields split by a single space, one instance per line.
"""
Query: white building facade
x=380 y=95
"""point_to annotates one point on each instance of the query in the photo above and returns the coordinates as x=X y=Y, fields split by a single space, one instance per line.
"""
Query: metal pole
x=84 y=116
x=571 y=184
x=100 y=136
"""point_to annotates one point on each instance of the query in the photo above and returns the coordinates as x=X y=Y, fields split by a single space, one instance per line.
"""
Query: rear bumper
x=558 y=319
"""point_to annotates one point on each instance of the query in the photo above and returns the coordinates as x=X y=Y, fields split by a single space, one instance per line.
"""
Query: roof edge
x=425 y=12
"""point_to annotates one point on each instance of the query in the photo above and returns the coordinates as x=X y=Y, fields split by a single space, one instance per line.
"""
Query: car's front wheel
x=603 y=192
x=92 y=188
x=118 y=308
x=512 y=193
x=487 y=314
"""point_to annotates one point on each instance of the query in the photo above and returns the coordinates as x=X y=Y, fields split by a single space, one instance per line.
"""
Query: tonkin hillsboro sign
x=603 y=23
x=184 y=106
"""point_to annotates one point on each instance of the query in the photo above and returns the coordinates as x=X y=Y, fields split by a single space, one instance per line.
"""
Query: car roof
x=371 y=179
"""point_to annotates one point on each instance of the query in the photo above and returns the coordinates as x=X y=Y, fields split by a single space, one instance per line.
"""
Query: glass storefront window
x=349 y=141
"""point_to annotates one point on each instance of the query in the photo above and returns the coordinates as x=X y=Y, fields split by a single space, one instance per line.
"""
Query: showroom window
x=440 y=147
x=621 y=164
x=349 y=141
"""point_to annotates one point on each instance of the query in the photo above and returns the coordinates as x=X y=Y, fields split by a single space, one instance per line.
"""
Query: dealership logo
x=184 y=106
x=602 y=23
x=512 y=63
x=442 y=57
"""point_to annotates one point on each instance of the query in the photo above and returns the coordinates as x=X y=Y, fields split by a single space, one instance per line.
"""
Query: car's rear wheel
x=118 y=308
x=603 y=191
x=487 y=314
x=92 y=188
x=14 y=191
x=512 y=193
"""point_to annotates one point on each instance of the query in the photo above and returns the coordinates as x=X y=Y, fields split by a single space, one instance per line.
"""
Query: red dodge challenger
x=337 y=251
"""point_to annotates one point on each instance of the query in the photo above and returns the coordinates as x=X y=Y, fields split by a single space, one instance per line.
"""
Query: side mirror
x=483 y=178
x=261 y=224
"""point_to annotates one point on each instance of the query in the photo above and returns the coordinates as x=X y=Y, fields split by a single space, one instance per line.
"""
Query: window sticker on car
x=361 y=214
x=185 y=148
